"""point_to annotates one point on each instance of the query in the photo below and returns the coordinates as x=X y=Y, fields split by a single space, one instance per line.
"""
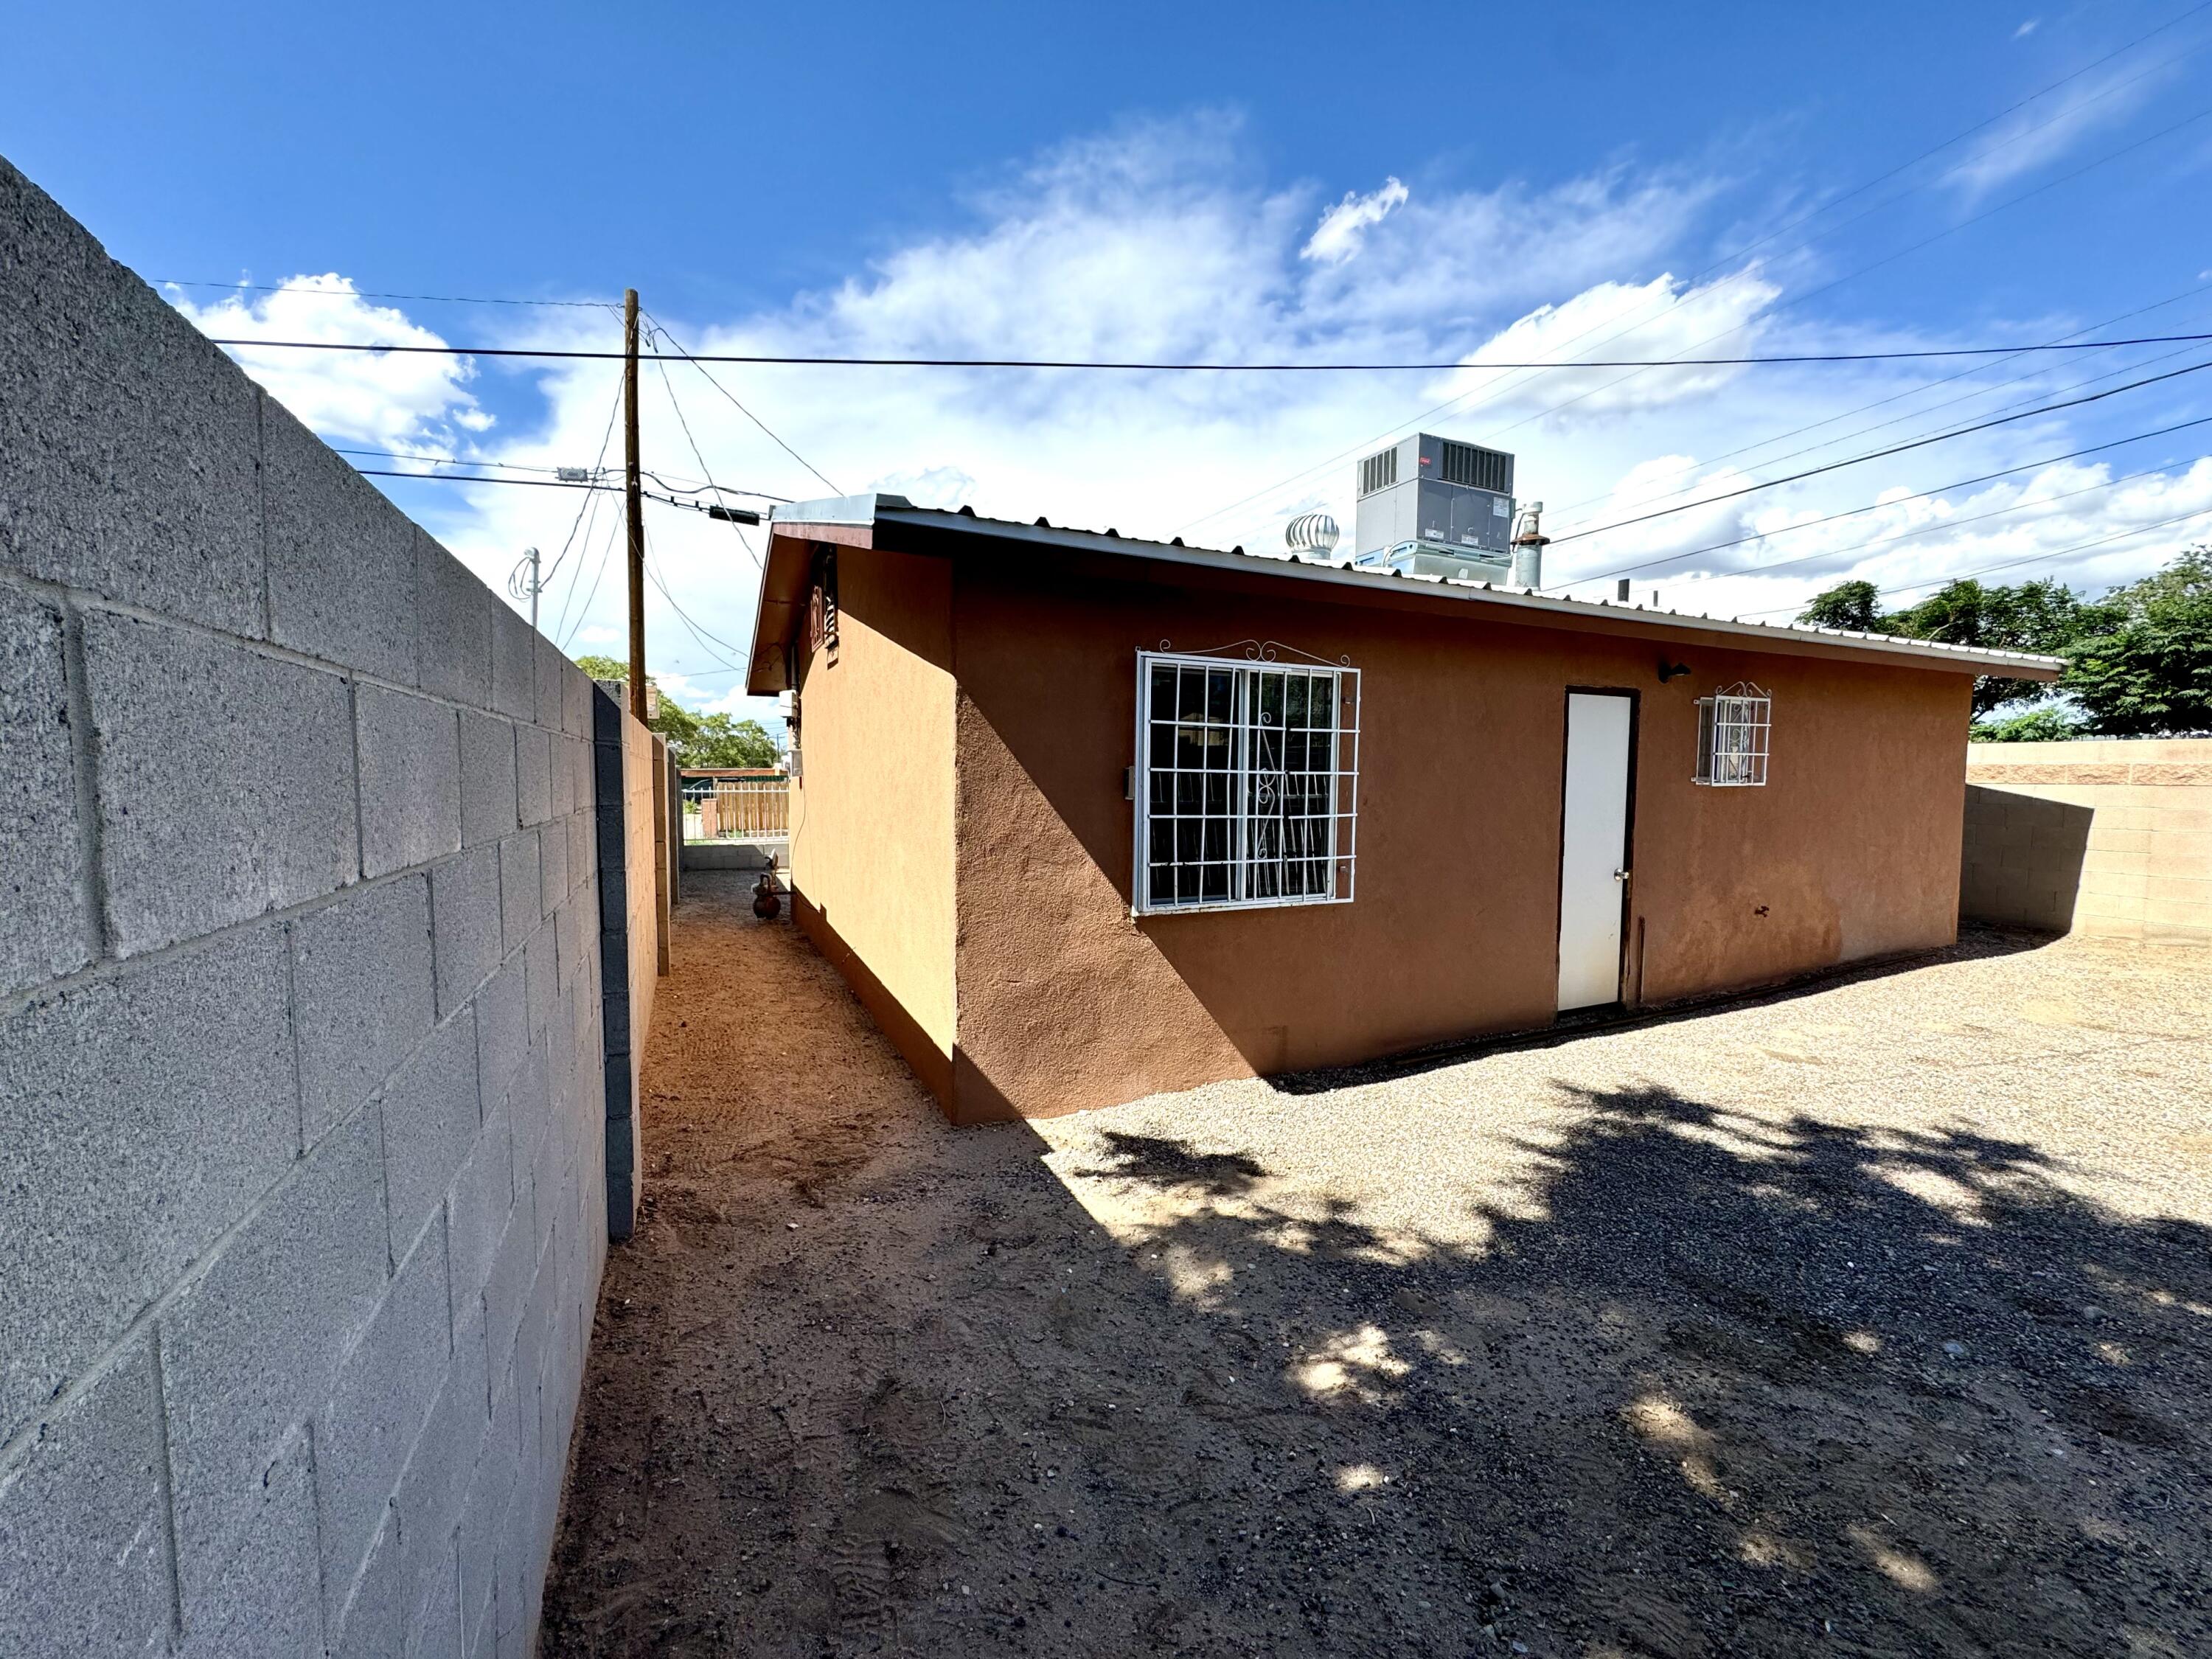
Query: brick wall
x=2109 y=838
x=301 y=1184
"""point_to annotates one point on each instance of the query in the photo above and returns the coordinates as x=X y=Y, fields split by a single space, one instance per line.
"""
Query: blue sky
x=1291 y=181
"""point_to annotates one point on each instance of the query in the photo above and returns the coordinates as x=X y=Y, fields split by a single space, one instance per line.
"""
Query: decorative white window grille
x=1732 y=737
x=1248 y=776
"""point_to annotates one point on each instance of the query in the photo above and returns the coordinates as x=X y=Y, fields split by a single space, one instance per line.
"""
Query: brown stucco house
x=1082 y=818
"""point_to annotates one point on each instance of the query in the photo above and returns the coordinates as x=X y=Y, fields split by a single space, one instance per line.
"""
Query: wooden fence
x=733 y=809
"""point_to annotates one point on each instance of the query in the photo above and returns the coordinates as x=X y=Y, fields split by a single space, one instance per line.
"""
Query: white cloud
x=1156 y=243
x=2028 y=28
x=2048 y=128
x=401 y=400
x=1343 y=227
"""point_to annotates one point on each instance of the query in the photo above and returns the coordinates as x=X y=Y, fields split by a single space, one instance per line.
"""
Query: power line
x=2193 y=290
x=1877 y=454
x=2012 y=564
x=700 y=364
x=1739 y=253
x=824 y=362
x=534 y=483
x=1876 y=507
x=677 y=405
x=1883 y=545
x=371 y=294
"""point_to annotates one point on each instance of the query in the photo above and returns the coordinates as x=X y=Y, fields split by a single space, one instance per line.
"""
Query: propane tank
x=767 y=904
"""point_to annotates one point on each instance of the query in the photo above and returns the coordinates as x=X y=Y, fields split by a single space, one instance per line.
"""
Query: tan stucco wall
x=1065 y=1001
x=2112 y=839
x=872 y=853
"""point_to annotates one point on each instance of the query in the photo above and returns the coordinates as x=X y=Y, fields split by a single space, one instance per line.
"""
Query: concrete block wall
x=301 y=1183
x=2110 y=839
x=633 y=930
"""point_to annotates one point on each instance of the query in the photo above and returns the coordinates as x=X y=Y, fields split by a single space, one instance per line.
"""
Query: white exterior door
x=1593 y=849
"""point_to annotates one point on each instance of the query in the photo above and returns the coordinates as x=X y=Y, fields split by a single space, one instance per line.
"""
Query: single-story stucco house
x=1082 y=818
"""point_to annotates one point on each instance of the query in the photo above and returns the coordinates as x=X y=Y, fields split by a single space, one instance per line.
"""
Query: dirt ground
x=1872 y=1319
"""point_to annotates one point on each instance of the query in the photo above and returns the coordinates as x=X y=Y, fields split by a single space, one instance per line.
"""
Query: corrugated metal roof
x=872 y=509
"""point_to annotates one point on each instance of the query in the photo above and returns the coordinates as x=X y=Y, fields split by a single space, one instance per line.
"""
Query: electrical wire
x=1689 y=287
x=1883 y=544
x=700 y=359
x=700 y=364
x=2078 y=548
x=676 y=403
x=1877 y=454
x=1876 y=507
x=370 y=294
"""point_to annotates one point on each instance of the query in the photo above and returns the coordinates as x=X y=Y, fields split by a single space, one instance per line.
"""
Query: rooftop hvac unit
x=1432 y=506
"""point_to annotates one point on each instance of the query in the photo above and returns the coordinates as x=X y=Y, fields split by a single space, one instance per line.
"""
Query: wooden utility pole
x=633 y=495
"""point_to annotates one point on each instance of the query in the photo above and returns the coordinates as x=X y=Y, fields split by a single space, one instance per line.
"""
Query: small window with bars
x=1248 y=783
x=1732 y=737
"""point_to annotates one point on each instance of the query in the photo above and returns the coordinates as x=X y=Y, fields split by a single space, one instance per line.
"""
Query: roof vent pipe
x=1529 y=544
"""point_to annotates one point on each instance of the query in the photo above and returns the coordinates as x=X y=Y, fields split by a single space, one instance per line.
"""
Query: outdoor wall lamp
x=1671 y=671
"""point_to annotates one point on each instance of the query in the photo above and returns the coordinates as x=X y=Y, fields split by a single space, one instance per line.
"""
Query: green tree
x=2046 y=725
x=1853 y=605
x=2146 y=668
x=695 y=739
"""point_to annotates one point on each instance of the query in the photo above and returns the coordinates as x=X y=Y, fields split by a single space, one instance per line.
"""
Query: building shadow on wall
x=2021 y=858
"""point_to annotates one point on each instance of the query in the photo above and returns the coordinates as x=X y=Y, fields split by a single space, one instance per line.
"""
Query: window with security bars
x=1249 y=782
x=1732 y=737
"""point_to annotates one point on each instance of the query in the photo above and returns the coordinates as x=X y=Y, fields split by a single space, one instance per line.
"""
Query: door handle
x=1620 y=875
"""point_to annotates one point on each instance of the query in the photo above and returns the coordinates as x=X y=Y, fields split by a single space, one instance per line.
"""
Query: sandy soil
x=1875 y=1319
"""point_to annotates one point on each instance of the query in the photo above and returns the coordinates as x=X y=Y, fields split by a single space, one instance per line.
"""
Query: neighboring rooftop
x=870 y=511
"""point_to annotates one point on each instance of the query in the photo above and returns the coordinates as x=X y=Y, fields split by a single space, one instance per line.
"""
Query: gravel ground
x=1874 y=1318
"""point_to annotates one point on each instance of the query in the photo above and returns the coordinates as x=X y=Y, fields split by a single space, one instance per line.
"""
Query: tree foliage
x=696 y=740
x=2138 y=661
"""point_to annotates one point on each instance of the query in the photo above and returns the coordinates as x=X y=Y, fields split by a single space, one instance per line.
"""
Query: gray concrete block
x=128 y=444
x=445 y=1457
x=478 y=1206
x=252 y=1346
x=583 y=852
x=50 y=929
x=529 y=1111
x=83 y=1564
x=145 y=1114
x=226 y=780
x=576 y=705
x=606 y=717
x=465 y=924
x=518 y=888
x=259 y=1598
x=544 y=983
x=533 y=773
x=373 y=1623
x=431 y=1118
x=488 y=784
x=553 y=671
x=454 y=618
x=563 y=774
x=507 y=1291
x=377 y=1408
x=513 y=663
x=411 y=779
x=502 y=1030
x=552 y=866
x=362 y=993
x=435 y=1631
x=341 y=557
x=489 y=1488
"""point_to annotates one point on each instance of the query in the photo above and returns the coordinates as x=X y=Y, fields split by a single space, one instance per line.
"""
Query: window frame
x=1751 y=713
x=1339 y=814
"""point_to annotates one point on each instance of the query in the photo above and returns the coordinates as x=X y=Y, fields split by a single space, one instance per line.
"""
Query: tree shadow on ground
x=1709 y=1383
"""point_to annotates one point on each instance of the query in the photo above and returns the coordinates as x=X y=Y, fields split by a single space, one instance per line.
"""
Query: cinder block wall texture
x=2109 y=838
x=301 y=1113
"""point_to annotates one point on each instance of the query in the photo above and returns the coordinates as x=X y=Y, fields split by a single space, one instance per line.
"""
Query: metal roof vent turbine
x=1312 y=533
